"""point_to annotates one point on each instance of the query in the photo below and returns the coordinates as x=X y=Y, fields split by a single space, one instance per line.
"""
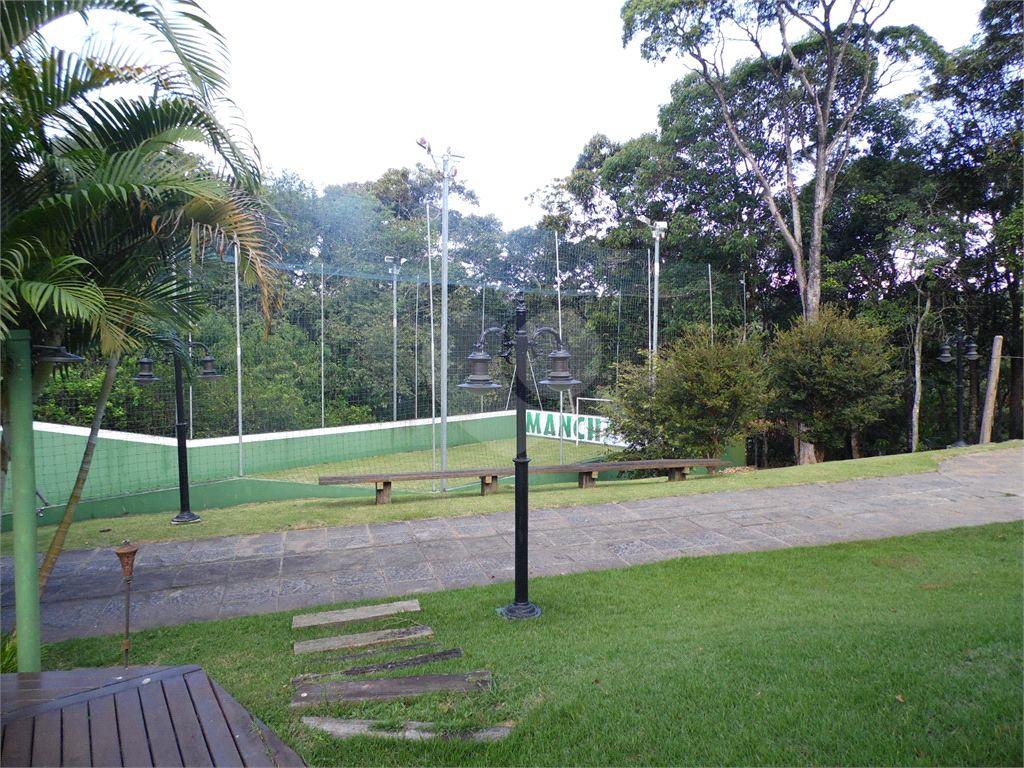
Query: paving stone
x=568 y=537
x=202 y=555
x=208 y=573
x=451 y=549
x=263 y=568
x=413 y=572
x=399 y=554
x=260 y=545
x=296 y=542
x=357 y=579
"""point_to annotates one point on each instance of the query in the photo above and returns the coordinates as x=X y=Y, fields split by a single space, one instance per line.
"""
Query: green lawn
x=321 y=512
x=904 y=651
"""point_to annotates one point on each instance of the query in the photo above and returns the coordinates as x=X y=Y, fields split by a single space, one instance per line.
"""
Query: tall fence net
x=348 y=380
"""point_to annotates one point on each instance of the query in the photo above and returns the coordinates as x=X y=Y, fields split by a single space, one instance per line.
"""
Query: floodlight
x=645 y=220
x=456 y=153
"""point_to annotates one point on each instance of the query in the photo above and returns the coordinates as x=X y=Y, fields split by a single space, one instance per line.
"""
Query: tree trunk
x=808 y=452
x=854 y=446
x=57 y=544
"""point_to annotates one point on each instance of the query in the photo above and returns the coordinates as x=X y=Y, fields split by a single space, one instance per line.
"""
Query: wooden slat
x=381 y=652
x=46 y=740
x=387 y=688
x=162 y=740
x=111 y=684
x=250 y=744
x=17 y=746
x=354 y=615
x=103 y=735
x=362 y=639
x=131 y=729
x=187 y=729
x=415 y=661
x=75 y=745
x=223 y=750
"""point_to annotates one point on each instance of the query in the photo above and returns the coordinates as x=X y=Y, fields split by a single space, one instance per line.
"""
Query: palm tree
x=102 y=204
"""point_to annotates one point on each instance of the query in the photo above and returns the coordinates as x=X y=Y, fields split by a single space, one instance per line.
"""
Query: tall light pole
x=658 y=229
x=146 y=376
x=480 y=382
x=395 y=263
x=444 y=165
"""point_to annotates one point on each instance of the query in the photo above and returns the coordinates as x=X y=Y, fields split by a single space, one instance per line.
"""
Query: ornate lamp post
x=146 y=376
x=480 y=382
x=959 y=338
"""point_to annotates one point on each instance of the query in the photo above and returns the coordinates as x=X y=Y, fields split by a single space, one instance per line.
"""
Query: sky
x=339 y=91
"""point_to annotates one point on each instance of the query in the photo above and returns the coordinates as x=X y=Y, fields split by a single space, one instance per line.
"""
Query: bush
x=706 y=396
x=834 y=377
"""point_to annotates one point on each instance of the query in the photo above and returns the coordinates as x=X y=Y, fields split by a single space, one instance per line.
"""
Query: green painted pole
x=23 y=496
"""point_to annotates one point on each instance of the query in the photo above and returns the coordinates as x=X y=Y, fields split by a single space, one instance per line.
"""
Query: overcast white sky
x=339 y=90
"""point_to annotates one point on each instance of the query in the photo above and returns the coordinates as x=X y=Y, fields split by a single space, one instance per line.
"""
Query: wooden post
x=990 y=391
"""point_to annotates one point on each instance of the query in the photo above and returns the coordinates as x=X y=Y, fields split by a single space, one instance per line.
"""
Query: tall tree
x=794 y=113
x=978 y=138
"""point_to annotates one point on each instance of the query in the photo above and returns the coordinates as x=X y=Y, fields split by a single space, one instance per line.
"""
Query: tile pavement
x=179 y=582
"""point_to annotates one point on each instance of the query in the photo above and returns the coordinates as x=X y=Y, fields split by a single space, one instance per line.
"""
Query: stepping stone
x=411 y=730
x=352 y=615
x=312 y=694
x=362 y=639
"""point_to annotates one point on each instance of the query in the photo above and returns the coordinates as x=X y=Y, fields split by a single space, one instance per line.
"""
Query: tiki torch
x=126 y=554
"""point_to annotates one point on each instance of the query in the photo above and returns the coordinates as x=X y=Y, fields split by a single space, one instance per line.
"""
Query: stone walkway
x=179 y=582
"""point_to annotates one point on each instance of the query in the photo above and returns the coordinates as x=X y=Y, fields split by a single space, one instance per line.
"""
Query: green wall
x=129 y=476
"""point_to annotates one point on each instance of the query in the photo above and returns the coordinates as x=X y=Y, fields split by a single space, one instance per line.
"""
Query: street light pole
x=446 y=174
x=521 y=608
x=960 y=339
x=658 y=229
x=185 y=515
x=146 y=376
x=480 y=382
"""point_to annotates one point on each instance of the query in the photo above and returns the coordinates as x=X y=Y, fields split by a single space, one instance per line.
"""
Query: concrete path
x=179 y=582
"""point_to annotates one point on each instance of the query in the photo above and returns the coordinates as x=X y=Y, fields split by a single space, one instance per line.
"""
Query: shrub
x=705 y=396
x=834 y=377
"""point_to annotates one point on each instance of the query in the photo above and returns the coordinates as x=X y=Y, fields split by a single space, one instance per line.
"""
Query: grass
x=323 y=512
x=903 y=651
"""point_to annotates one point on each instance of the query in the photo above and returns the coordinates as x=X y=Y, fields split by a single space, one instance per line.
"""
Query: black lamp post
x=480 y=382
x=146 y=376
x=959 y=338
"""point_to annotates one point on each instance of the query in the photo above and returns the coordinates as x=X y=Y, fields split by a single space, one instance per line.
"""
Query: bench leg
x=588 y=479
x=677 y=473
x=488 y=484
x=384 y=492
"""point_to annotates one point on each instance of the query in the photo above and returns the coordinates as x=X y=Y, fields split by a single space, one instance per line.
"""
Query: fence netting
x=348 y=379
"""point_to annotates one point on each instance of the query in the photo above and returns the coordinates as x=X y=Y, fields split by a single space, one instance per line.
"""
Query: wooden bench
x=677 y=469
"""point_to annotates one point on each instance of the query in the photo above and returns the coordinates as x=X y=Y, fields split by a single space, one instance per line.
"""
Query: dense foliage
x=702 y=395
x=834 y=377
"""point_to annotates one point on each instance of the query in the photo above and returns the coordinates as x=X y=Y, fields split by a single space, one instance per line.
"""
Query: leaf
x=900 y=699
